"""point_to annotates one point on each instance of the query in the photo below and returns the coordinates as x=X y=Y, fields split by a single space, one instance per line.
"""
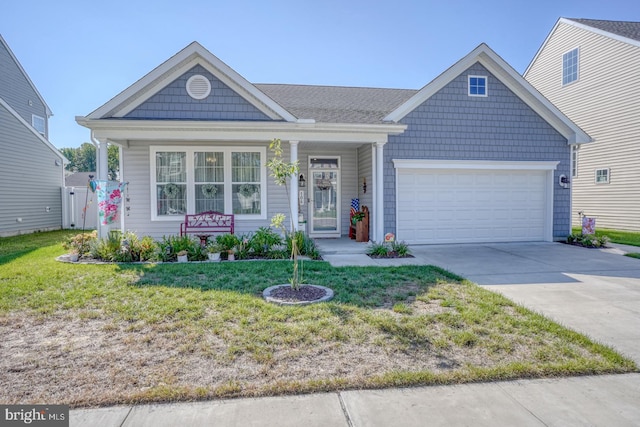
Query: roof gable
x=26 y=76
x=510 y=78
x=30 y=128
x=162 y=76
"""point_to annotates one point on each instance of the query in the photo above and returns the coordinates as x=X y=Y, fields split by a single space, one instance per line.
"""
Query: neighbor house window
x=477 y=86
x=198 y=179
x=602 y=176
x=38 y=124
x=574 y=161
x=570 y=66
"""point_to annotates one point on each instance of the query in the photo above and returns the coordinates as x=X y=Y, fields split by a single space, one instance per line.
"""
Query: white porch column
x=293 y=196
x=102 y=166
x=379 y=202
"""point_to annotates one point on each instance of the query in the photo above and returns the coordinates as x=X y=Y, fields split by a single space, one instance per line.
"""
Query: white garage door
x=472 y=206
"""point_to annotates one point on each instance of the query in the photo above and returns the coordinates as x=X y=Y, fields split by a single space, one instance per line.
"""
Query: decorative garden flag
x=109 y=200
x=588 y=225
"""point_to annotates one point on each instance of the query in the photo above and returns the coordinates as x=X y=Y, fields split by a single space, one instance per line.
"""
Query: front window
x=196 y=179
x=570 y=67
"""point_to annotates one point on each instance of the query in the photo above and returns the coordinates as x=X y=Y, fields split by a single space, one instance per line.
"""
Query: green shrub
x=588 y=240
x=378 y=249
x=401 y=248
x=227 y=241
x=81 y=243
x=264 y=240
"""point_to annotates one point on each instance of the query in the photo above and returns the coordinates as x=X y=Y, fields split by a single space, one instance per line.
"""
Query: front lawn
x=107 y=334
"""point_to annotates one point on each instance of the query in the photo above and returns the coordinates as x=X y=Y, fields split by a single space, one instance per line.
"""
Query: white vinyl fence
x=80 y=208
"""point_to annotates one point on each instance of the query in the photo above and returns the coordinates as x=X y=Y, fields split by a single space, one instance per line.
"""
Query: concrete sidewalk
x=610 y=400
x=596 y=292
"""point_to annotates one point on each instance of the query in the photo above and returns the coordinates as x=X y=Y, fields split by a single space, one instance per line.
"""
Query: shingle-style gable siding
x=454 y=126
x=173 y=102
x=16 y=90
x=30 y=180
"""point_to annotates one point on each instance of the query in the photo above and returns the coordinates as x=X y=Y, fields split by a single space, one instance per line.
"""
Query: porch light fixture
x=301 y=181
x=364 y=185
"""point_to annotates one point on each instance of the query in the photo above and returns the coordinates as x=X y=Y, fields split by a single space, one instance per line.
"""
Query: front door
x=324 y=196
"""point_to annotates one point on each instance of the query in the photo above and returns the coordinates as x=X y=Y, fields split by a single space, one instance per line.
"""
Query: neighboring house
x=31 y=168
x=589 y=69
x=474 y=156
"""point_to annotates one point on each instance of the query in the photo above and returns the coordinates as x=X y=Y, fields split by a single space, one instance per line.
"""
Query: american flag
x=355 y=205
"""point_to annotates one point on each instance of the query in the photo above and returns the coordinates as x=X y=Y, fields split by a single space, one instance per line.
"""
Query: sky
x=80 y=54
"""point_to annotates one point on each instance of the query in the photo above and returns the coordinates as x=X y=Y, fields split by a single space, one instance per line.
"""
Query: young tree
x=282 y=171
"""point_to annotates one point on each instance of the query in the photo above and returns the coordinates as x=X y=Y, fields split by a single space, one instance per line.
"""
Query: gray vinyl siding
x=30 y=181
x=365 y=171
x=16 y=90
x=136 y=171
x=173 y=102
x=604 y=103
x=500 y=127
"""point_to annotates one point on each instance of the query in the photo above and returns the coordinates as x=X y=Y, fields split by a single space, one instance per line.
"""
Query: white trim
x=48 y=111
x=203 y=130
x=379 y=206
x=228 y=196
x=511 y=79
x=486 y=86
x=177 y=65
x=473 y=164
x=31 y=129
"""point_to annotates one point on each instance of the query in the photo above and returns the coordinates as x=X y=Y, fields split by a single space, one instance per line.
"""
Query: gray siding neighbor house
x=589 y=68
x=31 y=168
x=477 y=155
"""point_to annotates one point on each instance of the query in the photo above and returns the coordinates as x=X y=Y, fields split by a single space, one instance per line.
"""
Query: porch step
x=341 y=246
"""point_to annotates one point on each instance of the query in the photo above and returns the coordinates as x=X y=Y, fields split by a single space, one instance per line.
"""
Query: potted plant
x=231 y=255
x=213 y=251
x=74 y=255
x=183 y=256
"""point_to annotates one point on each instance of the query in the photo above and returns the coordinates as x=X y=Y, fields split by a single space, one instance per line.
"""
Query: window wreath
x=209 y=191
x=247 y=190
x=171 y=191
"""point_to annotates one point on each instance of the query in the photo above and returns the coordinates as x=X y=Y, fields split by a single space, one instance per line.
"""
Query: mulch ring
x=306 y=294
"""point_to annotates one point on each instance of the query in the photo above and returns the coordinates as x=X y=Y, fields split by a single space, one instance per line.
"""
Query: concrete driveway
x=593 y=291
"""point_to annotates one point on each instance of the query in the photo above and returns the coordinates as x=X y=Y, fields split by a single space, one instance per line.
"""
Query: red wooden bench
x=205 y=224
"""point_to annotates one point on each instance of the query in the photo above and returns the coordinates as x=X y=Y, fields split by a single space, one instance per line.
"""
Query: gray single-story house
x=477 y=155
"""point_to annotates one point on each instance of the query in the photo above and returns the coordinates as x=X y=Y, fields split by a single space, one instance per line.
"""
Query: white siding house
x=589 y=69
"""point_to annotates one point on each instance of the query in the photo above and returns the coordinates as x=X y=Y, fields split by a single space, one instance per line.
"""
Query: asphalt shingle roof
x=337 y=104
x=627 y=29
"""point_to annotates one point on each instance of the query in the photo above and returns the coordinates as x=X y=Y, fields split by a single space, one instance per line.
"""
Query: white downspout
x=379 y=212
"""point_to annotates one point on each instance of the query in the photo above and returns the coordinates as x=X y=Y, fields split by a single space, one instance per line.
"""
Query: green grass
x=616 y=236
x=201 y=330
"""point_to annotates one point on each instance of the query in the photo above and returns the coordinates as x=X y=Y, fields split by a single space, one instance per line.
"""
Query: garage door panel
x=451 y=206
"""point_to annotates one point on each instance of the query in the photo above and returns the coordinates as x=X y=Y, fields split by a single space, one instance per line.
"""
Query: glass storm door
x=324 y=197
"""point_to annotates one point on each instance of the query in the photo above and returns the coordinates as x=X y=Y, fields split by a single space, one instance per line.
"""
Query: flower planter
x=215 y=257
x=231 y=257
x=74 y=257
x=183 y=258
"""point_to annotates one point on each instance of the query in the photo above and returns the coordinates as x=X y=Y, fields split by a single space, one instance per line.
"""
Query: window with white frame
x=38 y=124
x=570 y=62
x=191 y=180
x=602 y=176
x=478 y=86
x=574 y=161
